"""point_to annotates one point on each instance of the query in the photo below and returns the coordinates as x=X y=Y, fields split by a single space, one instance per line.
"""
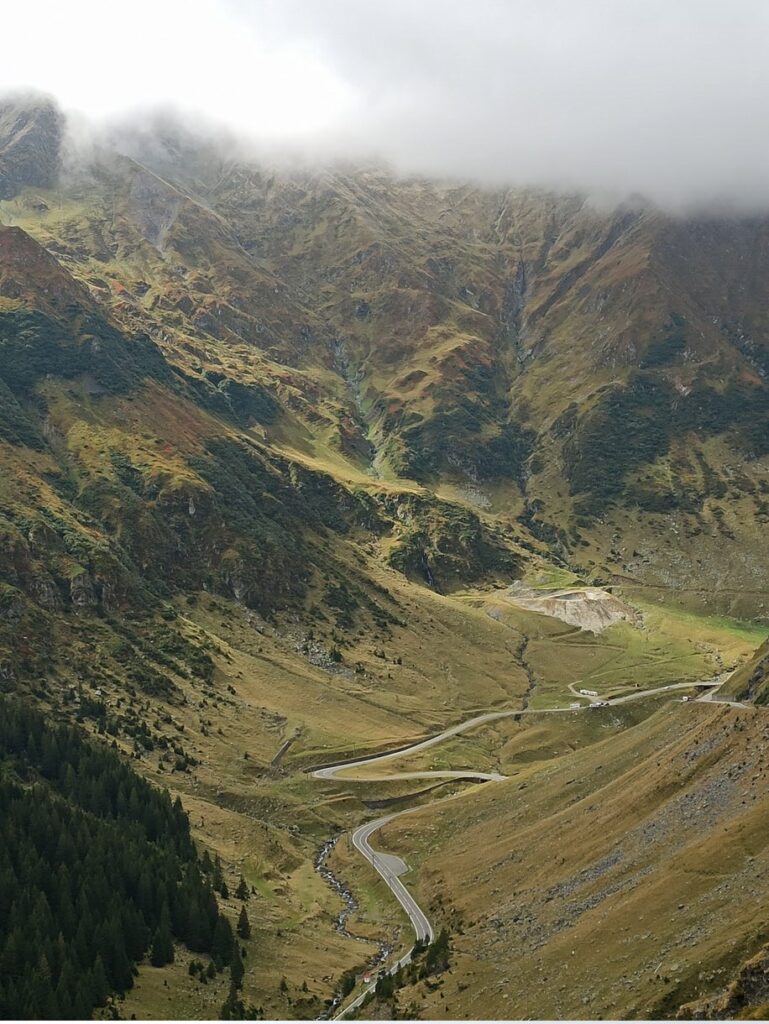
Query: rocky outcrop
x=30 y=142
x=747 y=996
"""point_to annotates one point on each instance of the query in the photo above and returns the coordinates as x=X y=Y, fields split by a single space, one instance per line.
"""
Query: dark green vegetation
x=34 y=345
x=97 y=867
x=246 y=404
x=444 y=544
x=632 y=426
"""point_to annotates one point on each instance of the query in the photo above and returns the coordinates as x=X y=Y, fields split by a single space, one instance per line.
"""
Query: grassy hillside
x=621 y=879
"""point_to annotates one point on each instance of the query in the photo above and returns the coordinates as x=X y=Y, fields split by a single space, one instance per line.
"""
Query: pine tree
x=136 y=932
x=242 y=893
x=237 y=969
x=233 y=1008
x=99 y=983
x=385 y=986
x=122 y=972
x=65 y=991
x=46 y=1001
x=437 y=956
x=162 y=944
x=218 y=874
x=83 y=1001
x=244 y=925
x=222 y=942
x=195 y=932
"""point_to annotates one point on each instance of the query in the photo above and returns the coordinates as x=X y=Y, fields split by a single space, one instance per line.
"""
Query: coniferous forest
x=97 y=870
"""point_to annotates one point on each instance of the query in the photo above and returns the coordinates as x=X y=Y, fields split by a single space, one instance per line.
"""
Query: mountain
x=598 y=376
x=298 y=464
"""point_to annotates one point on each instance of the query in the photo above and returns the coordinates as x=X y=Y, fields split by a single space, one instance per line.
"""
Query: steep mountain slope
x=527 y=342
x=127 y=485
x=128 y=499
x=623 y=879
x=599 y=374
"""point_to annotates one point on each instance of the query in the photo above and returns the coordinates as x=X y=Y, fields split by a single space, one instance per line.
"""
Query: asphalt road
x=331 y=771
x=390 y=867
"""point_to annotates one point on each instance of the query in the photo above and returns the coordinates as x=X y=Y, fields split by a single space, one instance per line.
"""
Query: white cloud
x=109 y=59
x=668 y=99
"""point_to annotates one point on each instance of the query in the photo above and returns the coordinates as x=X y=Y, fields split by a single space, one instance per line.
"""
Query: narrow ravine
x=349 y=908
x=520 y=659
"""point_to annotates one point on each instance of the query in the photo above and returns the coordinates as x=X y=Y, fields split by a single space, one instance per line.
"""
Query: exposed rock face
x=751 y=680
x=747 y=996
x=83 y=593
x=43 y=590
x=30 y=140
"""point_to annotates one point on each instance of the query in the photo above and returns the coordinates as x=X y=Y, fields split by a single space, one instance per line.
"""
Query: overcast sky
x=667 y=98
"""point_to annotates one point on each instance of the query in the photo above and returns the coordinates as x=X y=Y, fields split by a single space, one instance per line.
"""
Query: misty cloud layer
x=668 y=100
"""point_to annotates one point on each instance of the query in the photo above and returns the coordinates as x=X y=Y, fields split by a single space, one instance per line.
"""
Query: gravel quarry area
x=589 y=608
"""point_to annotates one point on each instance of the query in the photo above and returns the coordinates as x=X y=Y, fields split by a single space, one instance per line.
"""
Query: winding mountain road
x=389 y=866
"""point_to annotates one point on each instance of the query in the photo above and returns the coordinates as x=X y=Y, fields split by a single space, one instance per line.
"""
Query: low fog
x=616 y=98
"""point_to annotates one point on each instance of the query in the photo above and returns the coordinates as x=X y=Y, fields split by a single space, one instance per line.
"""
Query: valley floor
x=623 y=832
